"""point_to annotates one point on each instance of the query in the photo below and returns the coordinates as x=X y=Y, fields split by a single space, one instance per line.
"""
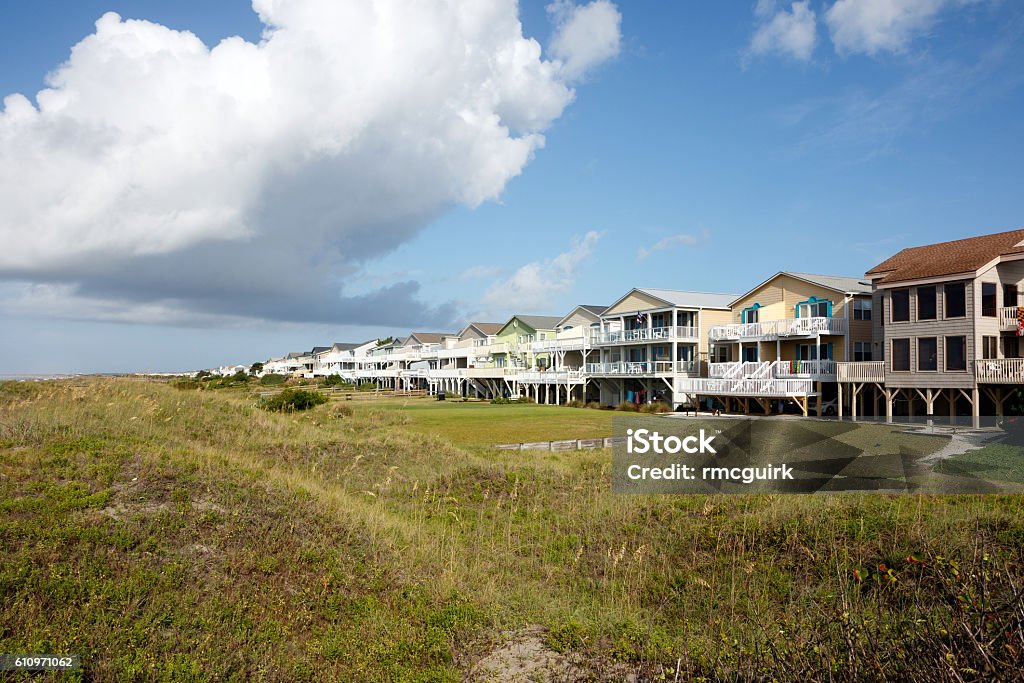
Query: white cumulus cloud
x=792 y=33
x=874 y=26
x=244 y=177
x=585 y=35
x=537 y=285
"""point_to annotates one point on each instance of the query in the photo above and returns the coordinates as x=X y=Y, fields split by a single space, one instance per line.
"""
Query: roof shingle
x=947 y=258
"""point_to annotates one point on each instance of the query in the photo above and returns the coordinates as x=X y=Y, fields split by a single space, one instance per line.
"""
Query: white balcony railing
x=780 y=369
x=567 y=344
x=643 y=334
x=861 y=371
x=658 y=367
x=999 y=370
x=770 y=329
x=452 y=373
x=550 y=376
x=745 y=387
x=1008 y=317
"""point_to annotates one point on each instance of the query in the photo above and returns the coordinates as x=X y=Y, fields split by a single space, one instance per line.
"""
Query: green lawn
x=486 y=424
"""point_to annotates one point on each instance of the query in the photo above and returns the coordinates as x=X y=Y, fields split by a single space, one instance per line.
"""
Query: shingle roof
x=320 y=349
x=596 y=311
x=487 y=328
x=678 y=297
x=539 y=322
x=345 y=346
x=428 y=337
x=840 y=283
x=948 y=258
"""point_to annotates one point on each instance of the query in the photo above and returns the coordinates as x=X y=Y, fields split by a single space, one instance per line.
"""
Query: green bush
x=273 y=380
x=655 y=407
x=576 y=403
x=292 y=400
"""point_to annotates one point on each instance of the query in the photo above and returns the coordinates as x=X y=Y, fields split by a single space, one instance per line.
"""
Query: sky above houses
x=184 y=185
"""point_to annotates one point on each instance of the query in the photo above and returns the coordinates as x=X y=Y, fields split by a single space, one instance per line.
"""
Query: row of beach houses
x=932 y=331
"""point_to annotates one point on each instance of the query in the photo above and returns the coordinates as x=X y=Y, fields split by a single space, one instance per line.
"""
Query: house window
x=862 y=309
x=988 y=299
x=900 y=355
x=928 y=354
x=900 y=305
x=813 y=308
x=988 y=347
x=956 y=353
x=814 y=352
x=1010 y=295
x=926 y=309
x=956 y=300
x=750 y=315
x=861 y=351
x=1011 y=347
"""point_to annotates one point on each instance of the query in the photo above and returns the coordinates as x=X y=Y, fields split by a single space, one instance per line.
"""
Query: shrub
x=655 y=407
x=333 y=381
x=340 y=410
x=291 y=400
x=202 y=374
x=241 y=377
x=627 y=406
x=576 y=403
x=595 y=405
x=501 y=400
x=273 y=380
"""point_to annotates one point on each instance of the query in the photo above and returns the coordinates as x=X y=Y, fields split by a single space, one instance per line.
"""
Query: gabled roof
x=948 y=258
x=319 y=349
x=837 y=283
x=539 y=322
x=486 y=329
x=536 y=322
x=677 y=297
x=427 y=337
x=595 y=311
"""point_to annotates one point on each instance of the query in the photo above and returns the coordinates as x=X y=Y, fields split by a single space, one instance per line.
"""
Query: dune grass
x=173 y=535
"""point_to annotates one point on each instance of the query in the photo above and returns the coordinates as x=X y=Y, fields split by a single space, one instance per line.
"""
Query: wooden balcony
x=550 y=376
x=818 y=370
x=644 y=335
x=999 y=370
x=769 y=387
x=778 y=329
x=862 y=371
x=643 y=368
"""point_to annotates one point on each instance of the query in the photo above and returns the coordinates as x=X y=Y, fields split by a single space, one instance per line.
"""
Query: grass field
x=187 y=535
x=484 y=424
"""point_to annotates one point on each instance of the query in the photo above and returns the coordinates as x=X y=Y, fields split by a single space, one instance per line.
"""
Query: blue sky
x=694 y=159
